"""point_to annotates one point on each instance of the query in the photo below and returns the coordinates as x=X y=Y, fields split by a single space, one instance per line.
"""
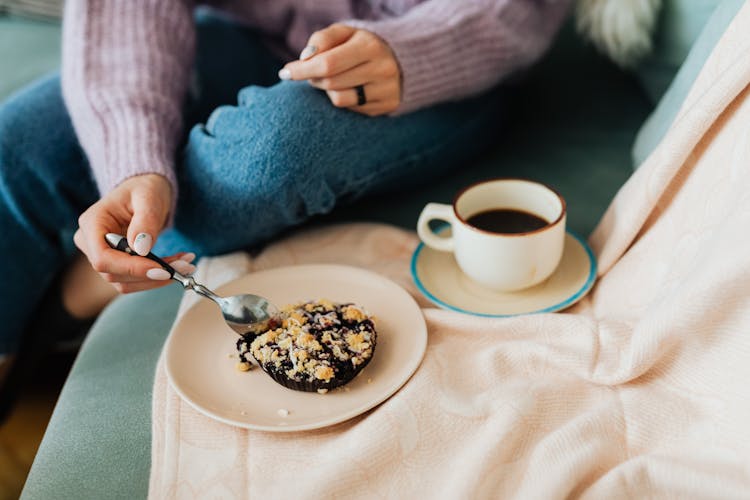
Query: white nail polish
x=285 y=74
x=308 y=52
x=142 y=244
x=188 y=257
x=157 y=274
x=183 y=267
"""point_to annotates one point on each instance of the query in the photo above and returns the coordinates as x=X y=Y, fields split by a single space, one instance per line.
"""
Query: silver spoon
x=245 y=314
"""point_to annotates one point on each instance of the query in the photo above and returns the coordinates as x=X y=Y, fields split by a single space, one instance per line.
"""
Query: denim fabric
x=281 y=155
x=285 y=154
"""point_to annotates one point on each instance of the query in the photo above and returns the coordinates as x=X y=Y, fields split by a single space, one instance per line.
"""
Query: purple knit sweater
x=126 y=63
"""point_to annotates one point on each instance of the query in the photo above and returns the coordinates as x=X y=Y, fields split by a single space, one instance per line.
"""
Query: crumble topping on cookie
x=316 y=342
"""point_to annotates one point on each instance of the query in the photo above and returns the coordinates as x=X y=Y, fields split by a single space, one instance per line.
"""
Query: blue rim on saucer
x=569 y=301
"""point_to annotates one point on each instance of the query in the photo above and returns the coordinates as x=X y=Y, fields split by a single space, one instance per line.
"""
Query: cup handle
x=437 y=211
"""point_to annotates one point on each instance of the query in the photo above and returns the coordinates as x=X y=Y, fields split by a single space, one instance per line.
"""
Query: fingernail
x=308 y=52
x=188 y=257
x=183 y=267
x=142 y=244
x=157 y=274
x=285 y=74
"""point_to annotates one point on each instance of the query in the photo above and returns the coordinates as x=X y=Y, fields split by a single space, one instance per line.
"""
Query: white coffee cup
x=502 y=261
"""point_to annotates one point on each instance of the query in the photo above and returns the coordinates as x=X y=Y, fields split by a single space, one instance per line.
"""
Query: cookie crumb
x=369 y=381
x=242 y=366
x=282 y=412
x=322 y=391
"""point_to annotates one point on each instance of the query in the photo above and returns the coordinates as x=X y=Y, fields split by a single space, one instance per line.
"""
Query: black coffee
x=506 y=221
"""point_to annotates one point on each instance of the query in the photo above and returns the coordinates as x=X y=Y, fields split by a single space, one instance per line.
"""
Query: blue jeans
x=269 y=161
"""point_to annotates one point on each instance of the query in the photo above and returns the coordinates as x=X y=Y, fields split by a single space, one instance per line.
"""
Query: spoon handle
x=119 y=242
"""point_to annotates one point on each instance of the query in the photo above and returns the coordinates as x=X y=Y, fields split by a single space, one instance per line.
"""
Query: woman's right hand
x=138 y=207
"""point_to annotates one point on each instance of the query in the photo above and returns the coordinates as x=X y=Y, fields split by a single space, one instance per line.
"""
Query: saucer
x=439 y=278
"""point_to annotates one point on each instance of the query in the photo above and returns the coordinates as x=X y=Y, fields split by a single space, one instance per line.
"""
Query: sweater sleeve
x=450 y=49
x=125 y=72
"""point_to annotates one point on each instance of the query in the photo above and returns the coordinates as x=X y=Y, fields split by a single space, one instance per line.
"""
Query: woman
x=384 y=93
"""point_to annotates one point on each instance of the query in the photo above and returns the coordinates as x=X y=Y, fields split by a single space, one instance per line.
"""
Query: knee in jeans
x=261 y=132
x=287 y=98
x=274 y=142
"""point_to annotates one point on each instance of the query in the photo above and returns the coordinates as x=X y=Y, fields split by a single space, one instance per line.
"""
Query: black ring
x=361 y=97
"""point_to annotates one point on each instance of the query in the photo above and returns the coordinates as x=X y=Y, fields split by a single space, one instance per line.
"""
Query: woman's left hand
x=340 y=58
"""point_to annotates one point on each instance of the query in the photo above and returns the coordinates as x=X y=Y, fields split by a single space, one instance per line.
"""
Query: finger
x=359 y=75
x=93 y=219
x=326 y=39
x=108 y=260
x=183 y=267
x=79 y=241
x=179 y=259
x=120 y=278
x=119 y=267
x=139 y=286
x=337 y=60
x=122 y=264
x=149 y=216
x=374 y=92
x=94 y=224
x=369 y=72
x=188 y=257
x=376 y=108
x=343 y=98
x=181 y=262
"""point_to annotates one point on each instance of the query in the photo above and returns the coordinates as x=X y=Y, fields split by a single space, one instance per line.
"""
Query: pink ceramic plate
x=201 y=370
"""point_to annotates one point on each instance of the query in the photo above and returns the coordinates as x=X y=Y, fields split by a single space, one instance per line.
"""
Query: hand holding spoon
x=245 y=314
